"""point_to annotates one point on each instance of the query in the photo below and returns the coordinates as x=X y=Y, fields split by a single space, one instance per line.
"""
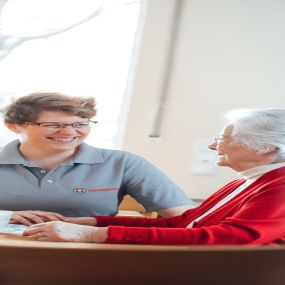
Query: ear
x=13 y=127
x=267 y=149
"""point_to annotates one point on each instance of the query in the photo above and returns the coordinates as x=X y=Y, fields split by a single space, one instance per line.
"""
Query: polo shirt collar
x=88 y=154
x=10 y=154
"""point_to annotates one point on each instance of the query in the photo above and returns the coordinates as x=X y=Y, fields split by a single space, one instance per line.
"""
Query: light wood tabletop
x=26 y=262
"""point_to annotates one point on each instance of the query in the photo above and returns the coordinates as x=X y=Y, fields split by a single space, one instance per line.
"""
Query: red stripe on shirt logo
x=103 y=189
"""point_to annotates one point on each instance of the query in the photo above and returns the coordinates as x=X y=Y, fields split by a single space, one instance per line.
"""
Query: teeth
x=62 y=139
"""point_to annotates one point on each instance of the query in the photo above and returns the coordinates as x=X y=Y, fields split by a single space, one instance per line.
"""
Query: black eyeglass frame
x=57 y=125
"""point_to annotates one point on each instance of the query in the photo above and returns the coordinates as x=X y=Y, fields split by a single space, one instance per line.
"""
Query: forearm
x=87 y=221
x=98 y=235
x=216 y=235
x=175 y=211
x=103 y=221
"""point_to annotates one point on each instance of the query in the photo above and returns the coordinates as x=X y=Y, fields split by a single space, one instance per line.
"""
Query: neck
x=266 y=161
x=45 y=159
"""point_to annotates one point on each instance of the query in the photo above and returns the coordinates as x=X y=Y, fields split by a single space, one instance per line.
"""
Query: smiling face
x=235 y=154
x=52 y=140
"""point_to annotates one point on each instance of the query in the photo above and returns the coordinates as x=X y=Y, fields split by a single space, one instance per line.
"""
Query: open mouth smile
x=70 y=139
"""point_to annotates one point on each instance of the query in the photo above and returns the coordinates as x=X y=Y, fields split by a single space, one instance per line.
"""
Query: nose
x=68 y=129
x=213 y=146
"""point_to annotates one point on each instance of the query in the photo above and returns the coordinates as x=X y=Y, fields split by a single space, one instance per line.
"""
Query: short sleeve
x=150 y=186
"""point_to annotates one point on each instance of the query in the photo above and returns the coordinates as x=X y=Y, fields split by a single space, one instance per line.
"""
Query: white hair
x=259 y=128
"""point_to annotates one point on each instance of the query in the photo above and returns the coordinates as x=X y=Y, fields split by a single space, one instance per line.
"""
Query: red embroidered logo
x=79 y=190
x=103 y=189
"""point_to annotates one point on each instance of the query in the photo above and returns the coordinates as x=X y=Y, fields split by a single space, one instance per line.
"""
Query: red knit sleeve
x=103 y=221
x=260 y=220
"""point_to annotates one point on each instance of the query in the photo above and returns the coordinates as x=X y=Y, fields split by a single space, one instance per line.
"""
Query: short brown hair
x=27 y=108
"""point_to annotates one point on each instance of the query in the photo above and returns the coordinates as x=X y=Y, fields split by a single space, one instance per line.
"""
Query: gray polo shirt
x=94 y=182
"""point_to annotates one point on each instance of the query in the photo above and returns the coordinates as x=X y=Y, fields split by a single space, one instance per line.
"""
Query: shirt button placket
x=48 y=182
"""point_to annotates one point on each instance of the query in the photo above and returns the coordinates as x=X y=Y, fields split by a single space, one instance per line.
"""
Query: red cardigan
x=255 y=216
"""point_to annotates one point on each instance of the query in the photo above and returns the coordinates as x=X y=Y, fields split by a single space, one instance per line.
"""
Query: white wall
x=229 y=54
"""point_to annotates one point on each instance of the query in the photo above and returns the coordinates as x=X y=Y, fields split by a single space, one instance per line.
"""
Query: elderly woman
x=249 y=210
x=51 y=169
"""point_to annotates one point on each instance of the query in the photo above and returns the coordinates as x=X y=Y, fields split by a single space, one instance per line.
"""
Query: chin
x=65 y=147
x=221 y=162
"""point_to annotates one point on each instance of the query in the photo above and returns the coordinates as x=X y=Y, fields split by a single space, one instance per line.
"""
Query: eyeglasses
x=58 y=126
x=220 y=138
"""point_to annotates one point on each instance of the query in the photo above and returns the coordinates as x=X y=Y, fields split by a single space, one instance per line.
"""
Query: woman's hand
x=61 y=231
x=31 y=217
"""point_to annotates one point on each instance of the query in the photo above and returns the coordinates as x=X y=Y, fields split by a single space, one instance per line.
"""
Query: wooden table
x=25 y=262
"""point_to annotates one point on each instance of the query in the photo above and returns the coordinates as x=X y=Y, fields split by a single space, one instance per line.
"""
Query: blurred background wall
x=228 y=54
